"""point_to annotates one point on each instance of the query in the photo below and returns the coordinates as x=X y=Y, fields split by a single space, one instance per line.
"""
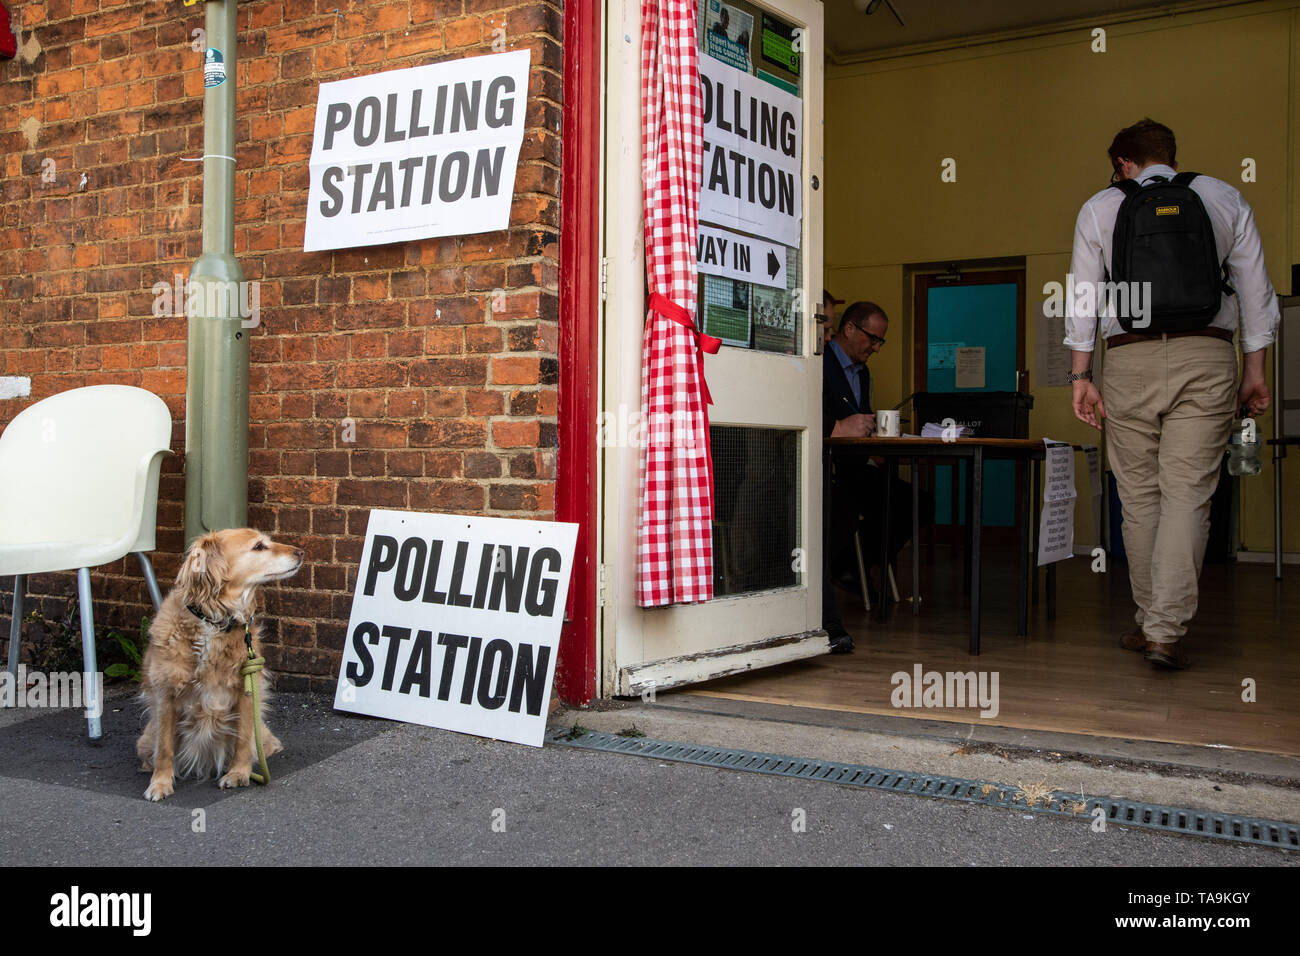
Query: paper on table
x=935 y=430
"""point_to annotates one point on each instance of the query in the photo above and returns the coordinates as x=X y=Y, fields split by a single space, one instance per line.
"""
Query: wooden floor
x=1070 y=675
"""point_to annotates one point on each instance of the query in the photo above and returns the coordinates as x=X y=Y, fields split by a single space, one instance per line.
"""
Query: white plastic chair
x=79 y=489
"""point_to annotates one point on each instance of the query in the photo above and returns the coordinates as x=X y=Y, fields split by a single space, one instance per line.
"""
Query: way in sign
x=723 y=253
x=713 y=250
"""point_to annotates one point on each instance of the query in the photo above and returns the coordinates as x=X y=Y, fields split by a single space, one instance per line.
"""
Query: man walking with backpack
x=1157 y=261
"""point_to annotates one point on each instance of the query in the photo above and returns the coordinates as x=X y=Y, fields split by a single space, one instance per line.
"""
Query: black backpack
x=1164 y=236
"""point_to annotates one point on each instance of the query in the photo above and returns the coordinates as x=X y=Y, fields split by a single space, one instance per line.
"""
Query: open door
x=762 y=229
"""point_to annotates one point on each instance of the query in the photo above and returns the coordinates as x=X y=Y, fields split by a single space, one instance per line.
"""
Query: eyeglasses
x=876 y=340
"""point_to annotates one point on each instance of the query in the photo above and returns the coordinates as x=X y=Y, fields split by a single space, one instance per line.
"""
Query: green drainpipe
x=216 y=395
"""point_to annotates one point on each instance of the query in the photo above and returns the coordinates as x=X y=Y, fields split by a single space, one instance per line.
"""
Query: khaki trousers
x=1169 y=410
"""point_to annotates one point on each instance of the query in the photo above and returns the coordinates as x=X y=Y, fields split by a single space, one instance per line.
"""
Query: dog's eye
x=259 y=546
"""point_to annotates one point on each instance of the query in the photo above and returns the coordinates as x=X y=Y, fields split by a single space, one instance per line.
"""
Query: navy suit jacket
x=837 y=396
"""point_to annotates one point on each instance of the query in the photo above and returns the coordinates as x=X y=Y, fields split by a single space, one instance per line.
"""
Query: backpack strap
x=1127 y=186
x=1185 y=179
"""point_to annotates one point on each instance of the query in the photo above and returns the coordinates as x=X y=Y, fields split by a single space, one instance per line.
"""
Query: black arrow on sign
x=773 y=264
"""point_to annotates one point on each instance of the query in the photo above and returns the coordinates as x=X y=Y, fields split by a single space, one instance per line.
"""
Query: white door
x=762 y=63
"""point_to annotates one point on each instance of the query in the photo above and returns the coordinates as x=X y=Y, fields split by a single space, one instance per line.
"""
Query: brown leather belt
x=1128 y=338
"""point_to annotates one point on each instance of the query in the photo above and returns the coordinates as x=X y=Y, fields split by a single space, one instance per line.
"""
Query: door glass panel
x=756 y=509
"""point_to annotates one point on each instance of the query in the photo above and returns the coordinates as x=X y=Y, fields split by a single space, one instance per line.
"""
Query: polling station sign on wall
x=416 y=153
x=753 y=154
x=456 y=622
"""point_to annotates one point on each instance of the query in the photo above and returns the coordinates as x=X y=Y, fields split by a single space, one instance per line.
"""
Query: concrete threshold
x=1203 y=778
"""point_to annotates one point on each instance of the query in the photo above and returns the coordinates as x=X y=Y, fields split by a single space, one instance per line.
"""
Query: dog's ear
x=202 y=575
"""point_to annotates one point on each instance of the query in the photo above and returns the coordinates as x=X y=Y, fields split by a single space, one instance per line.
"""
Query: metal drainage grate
x=1151 y=816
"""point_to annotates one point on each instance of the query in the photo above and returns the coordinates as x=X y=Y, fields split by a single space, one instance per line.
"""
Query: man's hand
x=1088 y=406
x=1253 y=392
x=1254 y=395
x=855 y=426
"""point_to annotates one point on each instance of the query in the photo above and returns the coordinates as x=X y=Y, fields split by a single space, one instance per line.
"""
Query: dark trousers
x=856 y=495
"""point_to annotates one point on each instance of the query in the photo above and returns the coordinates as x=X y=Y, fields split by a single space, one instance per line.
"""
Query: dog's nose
x=298 y=553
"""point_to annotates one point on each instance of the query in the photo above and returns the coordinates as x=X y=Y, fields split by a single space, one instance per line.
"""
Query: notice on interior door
x=969 y=367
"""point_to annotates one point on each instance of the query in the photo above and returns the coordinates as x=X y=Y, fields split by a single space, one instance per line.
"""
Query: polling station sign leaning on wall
x=412 y=154
x=456 y=621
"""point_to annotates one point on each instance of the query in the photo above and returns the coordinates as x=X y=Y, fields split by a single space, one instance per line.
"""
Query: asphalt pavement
x=353 y=791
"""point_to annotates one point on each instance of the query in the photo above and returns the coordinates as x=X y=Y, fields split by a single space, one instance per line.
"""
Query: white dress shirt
x=1234 y=231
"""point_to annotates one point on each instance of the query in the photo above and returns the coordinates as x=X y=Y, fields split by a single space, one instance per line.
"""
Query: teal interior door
x=980 y=310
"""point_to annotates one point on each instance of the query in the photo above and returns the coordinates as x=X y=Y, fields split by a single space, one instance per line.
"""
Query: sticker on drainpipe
x=214 y=68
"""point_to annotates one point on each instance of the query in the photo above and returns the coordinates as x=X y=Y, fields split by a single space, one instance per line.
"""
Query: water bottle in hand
x=1243 y=446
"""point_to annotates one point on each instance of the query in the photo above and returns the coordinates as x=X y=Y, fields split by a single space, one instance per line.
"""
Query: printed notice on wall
x=753 y=155
x=411 y=154
x=1056 y=525
x=455 y=622
x=1053 y=357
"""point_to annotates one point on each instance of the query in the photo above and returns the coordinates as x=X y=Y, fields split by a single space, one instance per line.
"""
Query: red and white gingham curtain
x=675 y=527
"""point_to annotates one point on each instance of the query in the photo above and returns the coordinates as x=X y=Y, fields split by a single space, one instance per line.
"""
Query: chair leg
x=15 y=632
x=862 y=571
x=893 y=585
x=150 y=581
x=90 y=668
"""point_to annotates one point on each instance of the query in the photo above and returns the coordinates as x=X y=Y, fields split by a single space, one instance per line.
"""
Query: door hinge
x=602 y=584
x=604 y=278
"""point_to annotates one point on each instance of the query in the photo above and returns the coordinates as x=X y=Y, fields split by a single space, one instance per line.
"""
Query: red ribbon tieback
x=703 y=343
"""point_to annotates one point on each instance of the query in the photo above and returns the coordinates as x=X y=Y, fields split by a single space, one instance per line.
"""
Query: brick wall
x=441 y=353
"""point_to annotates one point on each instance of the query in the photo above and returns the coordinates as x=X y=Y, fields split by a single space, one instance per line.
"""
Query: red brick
x=515 y=371
x=515 y=434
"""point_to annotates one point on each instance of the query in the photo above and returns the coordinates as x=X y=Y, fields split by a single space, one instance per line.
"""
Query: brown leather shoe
x=1169 y=655
x=1134 y=640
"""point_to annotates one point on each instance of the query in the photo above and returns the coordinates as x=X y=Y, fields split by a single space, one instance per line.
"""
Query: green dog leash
x=252 y=667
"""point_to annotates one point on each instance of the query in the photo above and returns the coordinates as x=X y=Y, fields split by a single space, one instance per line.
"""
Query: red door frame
x=575 y=492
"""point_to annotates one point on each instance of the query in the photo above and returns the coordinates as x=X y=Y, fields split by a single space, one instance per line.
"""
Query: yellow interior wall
x=1028 y=123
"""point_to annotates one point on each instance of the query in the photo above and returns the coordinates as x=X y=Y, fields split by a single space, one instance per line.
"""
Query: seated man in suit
x=855 y=485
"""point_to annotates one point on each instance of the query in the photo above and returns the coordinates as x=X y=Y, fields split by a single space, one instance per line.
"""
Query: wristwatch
x=1073 y=377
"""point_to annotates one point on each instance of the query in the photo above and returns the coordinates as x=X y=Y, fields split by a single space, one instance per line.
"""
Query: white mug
x=888 y=423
